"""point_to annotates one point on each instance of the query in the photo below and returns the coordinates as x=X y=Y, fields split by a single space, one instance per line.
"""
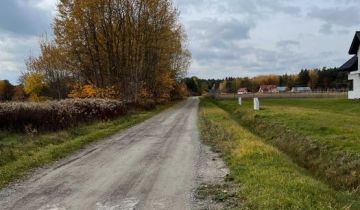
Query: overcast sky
x=226 y=37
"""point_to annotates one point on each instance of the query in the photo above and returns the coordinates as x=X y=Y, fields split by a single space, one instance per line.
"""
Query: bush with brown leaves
x=57 y=115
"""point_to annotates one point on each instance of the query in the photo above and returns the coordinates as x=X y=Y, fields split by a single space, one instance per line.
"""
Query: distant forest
x=317 y=79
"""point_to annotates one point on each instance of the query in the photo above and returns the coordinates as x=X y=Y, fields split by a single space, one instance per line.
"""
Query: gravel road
x=154 y=165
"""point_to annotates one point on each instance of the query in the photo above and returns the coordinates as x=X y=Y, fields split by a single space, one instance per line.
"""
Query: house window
x=351 y=85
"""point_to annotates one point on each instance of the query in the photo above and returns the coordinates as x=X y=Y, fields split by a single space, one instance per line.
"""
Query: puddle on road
x=52 y=207
x=127 y=204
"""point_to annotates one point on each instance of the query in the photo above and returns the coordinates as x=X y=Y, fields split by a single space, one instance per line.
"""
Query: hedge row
x=57 y=115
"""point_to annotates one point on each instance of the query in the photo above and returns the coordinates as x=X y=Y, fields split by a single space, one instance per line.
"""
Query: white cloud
x=13 y=52
x=21 y=24
x=46 y=5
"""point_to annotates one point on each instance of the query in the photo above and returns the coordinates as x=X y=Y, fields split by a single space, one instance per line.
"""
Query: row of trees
x=9 y=92
x=317 y=79
x=134 y=49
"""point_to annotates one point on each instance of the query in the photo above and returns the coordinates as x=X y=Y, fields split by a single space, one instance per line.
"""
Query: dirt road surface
x=153 y=165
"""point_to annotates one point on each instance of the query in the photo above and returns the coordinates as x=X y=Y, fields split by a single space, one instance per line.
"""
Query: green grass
x=19 y=153
x=268 y=178
x=322 y=135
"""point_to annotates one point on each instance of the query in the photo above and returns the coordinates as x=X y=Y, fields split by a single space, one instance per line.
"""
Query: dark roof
x=350 y=65
x=355 y=44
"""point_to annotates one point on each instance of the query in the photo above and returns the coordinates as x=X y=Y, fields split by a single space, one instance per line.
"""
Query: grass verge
x=268 y=179
x=19 y=153
x=321 y=135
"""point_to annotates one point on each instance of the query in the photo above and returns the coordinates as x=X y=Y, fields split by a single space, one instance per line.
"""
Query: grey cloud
x=14 y=49
x=219 y=33
x=240 y=54
x=257 y=8
x=340 y=16
x=279 y=6
x=235 y=56
x=20 y=17
x=215 y=41
x=218 y=41
x=242 y=60
x=287 y=43
x=326 y=28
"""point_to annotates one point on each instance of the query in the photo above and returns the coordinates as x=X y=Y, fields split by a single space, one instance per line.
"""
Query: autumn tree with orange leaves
x=137 y=46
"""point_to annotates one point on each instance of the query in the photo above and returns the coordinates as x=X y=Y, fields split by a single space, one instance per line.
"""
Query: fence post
x=256 y=104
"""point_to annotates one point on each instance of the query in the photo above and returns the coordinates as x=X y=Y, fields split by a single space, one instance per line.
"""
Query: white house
x=353 y=68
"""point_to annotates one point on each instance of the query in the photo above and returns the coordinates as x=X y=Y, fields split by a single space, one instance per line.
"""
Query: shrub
x=57 y=115
x=180 y=91
x=91 y=91
x=34 y=84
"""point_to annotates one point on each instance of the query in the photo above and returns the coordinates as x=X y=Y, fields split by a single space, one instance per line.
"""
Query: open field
x=267 y=177
x=321 y=135
x=21 y=152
